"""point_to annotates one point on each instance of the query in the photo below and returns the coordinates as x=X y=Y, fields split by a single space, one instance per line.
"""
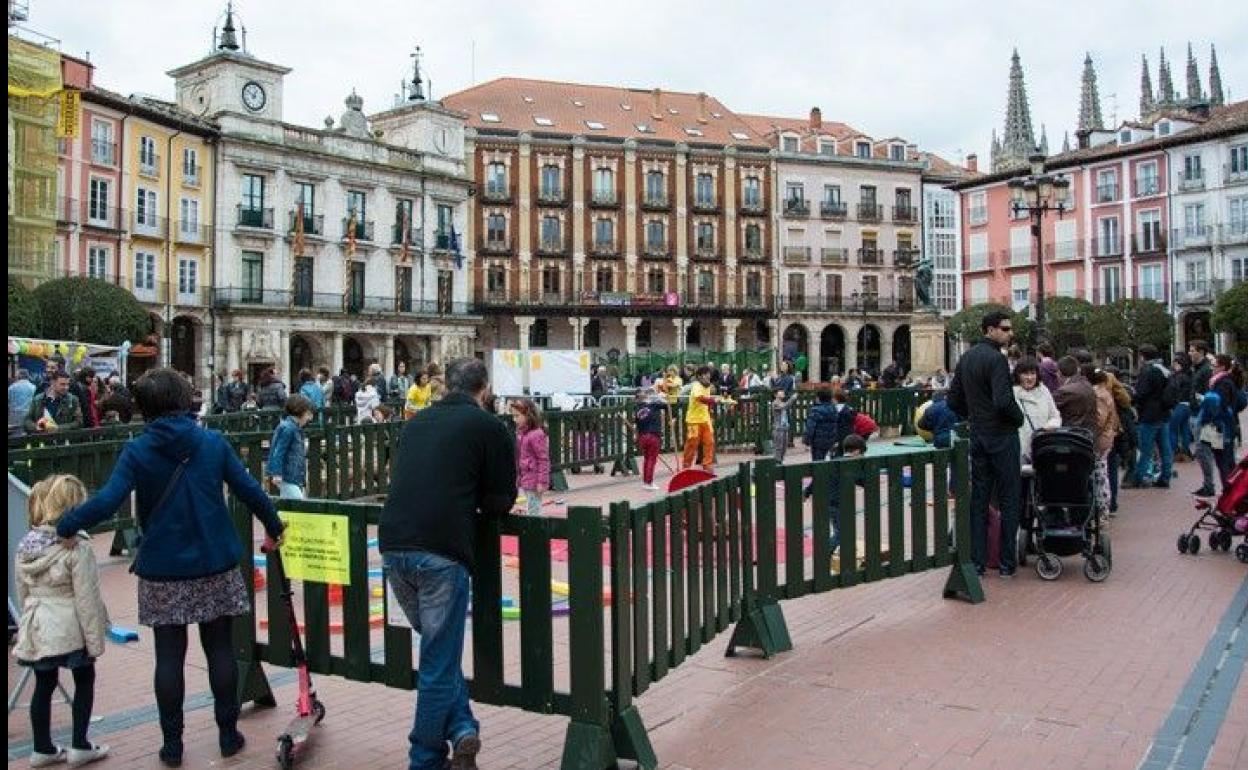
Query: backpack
x=1172 y=393
x=846 y=420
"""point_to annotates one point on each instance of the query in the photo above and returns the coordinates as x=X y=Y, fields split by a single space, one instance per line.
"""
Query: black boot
x=171 y=751
x=229 y=739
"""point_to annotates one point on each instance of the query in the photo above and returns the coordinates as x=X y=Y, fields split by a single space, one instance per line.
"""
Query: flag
x=405 y=253
x=299 y=230
x=454 y=248
x=346 y=271
x=351 y=235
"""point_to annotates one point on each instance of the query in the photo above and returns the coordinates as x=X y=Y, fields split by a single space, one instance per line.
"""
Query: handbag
x=1210 y=435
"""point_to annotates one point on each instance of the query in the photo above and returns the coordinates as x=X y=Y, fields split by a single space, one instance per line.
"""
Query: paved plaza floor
x=1139 y=671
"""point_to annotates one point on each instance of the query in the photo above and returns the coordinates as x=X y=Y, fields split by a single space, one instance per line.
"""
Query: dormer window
x=862 y=149
x=673 y=111
x=595 y=125
x=543 y=121
x=490 y=117
x=644 y=128
x=693 y=131
x=827 y=146
x=528 y=100
x=578 y=102
x=896 y=152
x=788 y=144
x=1124 y=137
x=740 y=136
x=1163 y=128
x=626 y=107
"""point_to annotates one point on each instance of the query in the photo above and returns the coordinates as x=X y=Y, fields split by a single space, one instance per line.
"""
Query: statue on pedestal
x=923 y=284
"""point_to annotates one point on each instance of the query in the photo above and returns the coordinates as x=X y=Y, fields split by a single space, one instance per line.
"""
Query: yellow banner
x=70 y=116
x=33 y=69
x=315 y=548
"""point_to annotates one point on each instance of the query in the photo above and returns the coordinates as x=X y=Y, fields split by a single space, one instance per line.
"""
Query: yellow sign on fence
x=315 y=548
x=71 y=114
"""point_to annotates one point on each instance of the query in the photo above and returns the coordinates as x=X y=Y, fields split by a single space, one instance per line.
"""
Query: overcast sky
x=934 y=72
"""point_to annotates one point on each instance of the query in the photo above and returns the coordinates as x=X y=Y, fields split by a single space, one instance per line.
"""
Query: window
x=643 y=334
x=656 y=188
x=552 y=181
x=901 y=199
x=1111 y=284
x=1066 y=283
x=595 y=125
x=1020 y=245
x=832 y=194
x=145 y=212
x=1150 y=231
x=706 y=287
x=1109 y=244
x=896 y=152
x=978 y=252
x=188 y=276
x=788 y=144
x=942 y=217
x=593 y=333
x=753 y=287
x=305 y=193
x=496 y=180
x=403 y=208
x=827 y=146
x=794 y=192
x=253 y=192
x=946 y=287
x=144 y=272
x=97 y=262
x=543 y=121
x=539 y=334
x=753 y=239
x=1020 y=291
x=147 y=155
x=644 y=128
x=704 y=190
x=496 y=229
x=604 y=280
x=1239 y=159
x=355 y=286
x=656 y=281
x=752 y=192
x=1065 y=239
x=1237 y=223
x=446 y=223
x=867 y=194
x=862 y=149
x=979 y=208
x=706 y=237
x=190 y=166
x=797 y=289
x=304 y=281
x=102 y=148
x=1192 y=171
x=1150 y=283
x=1163 y=128
x=978 y=289
x=1124 y=136
x=403 y=288
x=97 y=201
x=357 y=203
x=188 y=216
x=552 y=239
x=656 y=236
x=550 y=280
x=1239 y=269
x=490 y=117
x=1106 y=185
x=252 y=277
x=604 y=234
x=943 y=249
x=604 y=185
x=1146 y=179
x=1194 y=220
x=496 y=279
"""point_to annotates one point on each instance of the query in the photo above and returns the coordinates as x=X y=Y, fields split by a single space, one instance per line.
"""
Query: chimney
x=702 y=114
x=656 y=112
x=816 y=119
x=972 y=163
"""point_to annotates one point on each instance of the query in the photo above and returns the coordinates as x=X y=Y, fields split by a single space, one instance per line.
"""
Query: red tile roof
x=808 y=137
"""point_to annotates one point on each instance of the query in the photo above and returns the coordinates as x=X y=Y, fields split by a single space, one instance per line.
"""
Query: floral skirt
x=198 y=600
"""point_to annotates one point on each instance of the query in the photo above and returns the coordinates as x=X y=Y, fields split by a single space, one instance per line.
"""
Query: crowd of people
x=57 y=399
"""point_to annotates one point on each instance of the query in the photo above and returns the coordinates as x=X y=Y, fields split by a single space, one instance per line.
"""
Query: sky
x=934 y=72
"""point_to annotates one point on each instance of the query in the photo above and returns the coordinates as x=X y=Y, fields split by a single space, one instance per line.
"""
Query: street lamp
x=1036 y=194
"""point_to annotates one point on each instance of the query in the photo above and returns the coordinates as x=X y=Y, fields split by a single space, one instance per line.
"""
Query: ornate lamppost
x=1037 y=194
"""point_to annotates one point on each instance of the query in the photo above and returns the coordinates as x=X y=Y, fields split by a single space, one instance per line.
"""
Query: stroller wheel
x=1193 y=544
x=1182 y=543
x=1226 y=538
x=1049 y=567
x=1104 y=549
x=1241 y=552
x=1023 y=538
x=1096 y=568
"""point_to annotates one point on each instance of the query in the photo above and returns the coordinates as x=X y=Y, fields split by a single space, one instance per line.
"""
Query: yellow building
x=167 y=202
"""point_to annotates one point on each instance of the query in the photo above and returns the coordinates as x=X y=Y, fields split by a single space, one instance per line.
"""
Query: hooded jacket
x=1039 y=413
x=58 y=590
x=192 y=535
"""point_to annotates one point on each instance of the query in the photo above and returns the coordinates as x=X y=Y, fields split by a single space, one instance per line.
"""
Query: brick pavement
x=884 y=675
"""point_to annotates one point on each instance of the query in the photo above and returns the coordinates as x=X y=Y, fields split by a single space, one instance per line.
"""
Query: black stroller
x=1060 y=514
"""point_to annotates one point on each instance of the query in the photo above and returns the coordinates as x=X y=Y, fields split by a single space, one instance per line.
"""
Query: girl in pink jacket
x=532 y=453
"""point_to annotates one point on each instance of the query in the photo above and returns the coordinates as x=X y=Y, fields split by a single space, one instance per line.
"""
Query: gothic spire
x=1216 y=97
x=1044 y=140
x=229 y=40
x=1165 y=86
x=1089 y=100
x=1193 y=77
x=1066 y=142
x=1019 y=141
x=1147 y=102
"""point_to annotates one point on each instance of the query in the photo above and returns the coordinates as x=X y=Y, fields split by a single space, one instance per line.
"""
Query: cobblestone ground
x=884 y=675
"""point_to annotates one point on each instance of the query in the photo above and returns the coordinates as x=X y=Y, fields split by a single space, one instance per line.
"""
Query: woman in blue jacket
x=188 y=559
x=287 y=466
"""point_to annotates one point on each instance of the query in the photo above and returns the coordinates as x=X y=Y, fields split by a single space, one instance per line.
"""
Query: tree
x=91 y=310
x=1128 y=324
x=965 y=324
x=1066 y=321
x=1230 y=314
x=25 y=320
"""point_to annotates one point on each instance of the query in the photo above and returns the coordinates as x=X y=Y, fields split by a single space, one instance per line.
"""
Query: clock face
x=253 y=96
x=442 y=140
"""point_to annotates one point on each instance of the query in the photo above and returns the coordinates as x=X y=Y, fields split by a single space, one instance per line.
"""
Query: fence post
x=588 y=745
x=762 y=625
x=963 y=581
x=628 y=732
x=555 y=424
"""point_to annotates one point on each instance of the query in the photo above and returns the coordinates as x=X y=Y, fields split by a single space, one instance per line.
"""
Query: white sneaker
x=45 y=760
x=79 y=757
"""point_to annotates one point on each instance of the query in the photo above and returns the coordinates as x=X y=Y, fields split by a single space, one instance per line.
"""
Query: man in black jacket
x=983 y=393
x=1153 y=401
x=455 y=461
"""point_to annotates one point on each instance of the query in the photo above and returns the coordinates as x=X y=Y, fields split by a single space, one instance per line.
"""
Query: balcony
x=978 y=215
x=870 y=212
x=834 y=256
x=191 y=294
x=549 y=197
x=1020 y=257
x=441 y=240
x=976 y=261
x=797 y=255
x=753 y=207
x=905 y=257
x=1200 y=292
x=496 y=193
x=332 y=302
x=496 y=247
x=655 y=202
x=1107 y=248
x=604 y=251
x=604 y=199
x=149 y=226
x=256 y=218
x=870 y=257
x=1064 y=250
x=622 y=303
x=551 y=248
x=149 y=166
x=835 y=210
x=1149 y=185
x=905 y=213
x=193 y=234
x=363 y=229
x=654 y=252
x=705 y=253
x=753 y=254
x=103 y=153
x=1234 y=174
x=1148 y=244
x=1192 y=181
x=496 y=297
x=1236 y=232
x=415 y=237
x=1106 y=193
x=854 y=303
x=191 y=179
x=796 y=207
x=705 y=206
x=1195 y=237
x=105 y=217
x=313 y=224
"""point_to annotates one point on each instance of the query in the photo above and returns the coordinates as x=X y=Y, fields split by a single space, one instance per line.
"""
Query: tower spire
x=1044 y=140
x=1165 y=86
x=1019 y=141
x=1089 y=99
x=1193 y=77
x=1066 y=142
x=1216 y=97
x=1147 y=102
x=229 y=38
x=416 y=94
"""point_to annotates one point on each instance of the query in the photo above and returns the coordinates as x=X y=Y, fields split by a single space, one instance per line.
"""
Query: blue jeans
x=995 y=464
x=1155 y=434
x=1181 y=428
x=433 y=592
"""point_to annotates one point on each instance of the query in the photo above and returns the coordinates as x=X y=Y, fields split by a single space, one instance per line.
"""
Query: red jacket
x=532 y=459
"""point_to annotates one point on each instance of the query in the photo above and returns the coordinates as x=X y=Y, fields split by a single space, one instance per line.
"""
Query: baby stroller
x=1060 y=516
x=1228 y=517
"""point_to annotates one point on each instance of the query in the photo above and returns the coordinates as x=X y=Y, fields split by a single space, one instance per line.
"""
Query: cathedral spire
x=1019 y=141
x=1165 y=86
x=1089 y=100
x=1216 y=97
x=1044 y=140
x=1147 y=102
x=1065 y=142
x=1194 y=92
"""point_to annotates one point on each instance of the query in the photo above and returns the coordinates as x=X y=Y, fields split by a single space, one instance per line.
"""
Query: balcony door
x=355 y=283
x=303 y=281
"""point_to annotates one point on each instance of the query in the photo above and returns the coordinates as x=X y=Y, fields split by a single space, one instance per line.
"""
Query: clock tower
x=230 y=82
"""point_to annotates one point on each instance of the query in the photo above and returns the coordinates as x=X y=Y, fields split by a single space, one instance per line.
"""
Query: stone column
x=628 y=244
x=578 y=197
x=335 y=355
x=776 y=343
x=283 y=360
x=523 y=226
x=524 y=323
x=578 y=332
x=233 y=350
x=681 y=201
x=730 y=334
x=681 y=325
x=851 y=345
x=387 y=355
x=886 y=346
x=630 y=334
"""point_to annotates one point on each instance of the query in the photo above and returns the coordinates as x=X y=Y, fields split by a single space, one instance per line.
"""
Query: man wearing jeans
x=983 y=392
x=455 y=461
x=1154 y=398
